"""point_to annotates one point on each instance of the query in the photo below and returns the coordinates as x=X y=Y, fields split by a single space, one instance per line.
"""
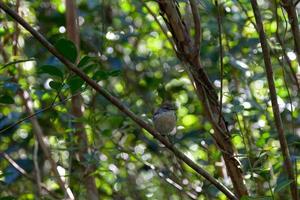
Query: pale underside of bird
x=165 y=122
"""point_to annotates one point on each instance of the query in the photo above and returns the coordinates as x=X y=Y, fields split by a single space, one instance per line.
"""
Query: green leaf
x=51 y=70
x=237 y=108
x=115 y=72
x=89 y=67
x=264 y=173
x=75 y=83
x=8 y=198
x=5 y=99
x=101 y=75
x=281 y=185
x=67 y=48
x=84 y=61
x=88 y=63
x=55 y=85
x=106 y=132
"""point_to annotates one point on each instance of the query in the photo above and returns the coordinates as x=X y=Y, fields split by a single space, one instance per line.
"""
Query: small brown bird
x=164 y=118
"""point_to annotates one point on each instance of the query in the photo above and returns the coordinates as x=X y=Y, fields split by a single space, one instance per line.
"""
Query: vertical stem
x=273 y=95
x=221 y=57
x=37 y=129
x=290 y=8
x=77 y=105
x=187 y=52
x=283 y=48
x=117 y=103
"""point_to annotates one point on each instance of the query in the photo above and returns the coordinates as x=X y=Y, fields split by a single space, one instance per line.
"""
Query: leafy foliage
x=125 y=51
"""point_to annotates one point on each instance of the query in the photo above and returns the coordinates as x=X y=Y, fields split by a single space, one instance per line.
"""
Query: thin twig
x=177 y=26
x=26 y=175
x=52 y=105
x=16 y=32
x=77 y=106
x=292 y=71
x=221 y=57
x=36 y=166
x=15 y=62
x=284 y=77
x=159 y=172
x=289 y=7
x=115 y=101
x=160 y=25
x=15 y=52
x=283 y=48
x=273 y=95
x=197 y=25
x=37 y=129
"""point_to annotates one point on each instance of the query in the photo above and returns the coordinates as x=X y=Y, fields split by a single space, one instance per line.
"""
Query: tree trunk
x=77 y=105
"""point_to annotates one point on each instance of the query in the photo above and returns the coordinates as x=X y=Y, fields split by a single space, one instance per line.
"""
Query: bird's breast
x=165 y=122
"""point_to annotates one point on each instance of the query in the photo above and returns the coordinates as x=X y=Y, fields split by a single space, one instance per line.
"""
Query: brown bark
x=273 y=95
x=77 y=105
x=45 y=148
x=290 y=8
x=292 y=74
x=26 y=175
x=116 y=102
x=37 y=129
x=189 y=54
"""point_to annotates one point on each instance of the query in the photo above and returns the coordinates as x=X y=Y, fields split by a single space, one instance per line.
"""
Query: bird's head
x=168 y=105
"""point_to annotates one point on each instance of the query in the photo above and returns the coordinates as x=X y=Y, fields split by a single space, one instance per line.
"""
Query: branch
x=281 y=42
x=36 y=144
x=174 y=183
x=273 y=95
x=36 y=166
x=160 y=25
x=293 y=20
x=36 y=113
x=197 y=23
x=283 y=49
x=205 y=91
x=221 y=57
x=76 y=108
x=115 y=101
x=37 y=129
x=24 y=173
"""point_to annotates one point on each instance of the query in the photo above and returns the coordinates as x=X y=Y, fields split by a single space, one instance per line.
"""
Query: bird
x=164 y=118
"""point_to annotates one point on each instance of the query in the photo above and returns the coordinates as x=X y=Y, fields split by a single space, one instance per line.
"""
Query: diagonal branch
x=37 y=129
x=160 y=25
x=44 y=145
x=116 y=102
x=205 y=91
x=15 y=53
x=26 y=175
x=36 y=113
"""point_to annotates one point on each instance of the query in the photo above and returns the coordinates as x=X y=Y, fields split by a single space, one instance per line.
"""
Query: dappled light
x=134 y=99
